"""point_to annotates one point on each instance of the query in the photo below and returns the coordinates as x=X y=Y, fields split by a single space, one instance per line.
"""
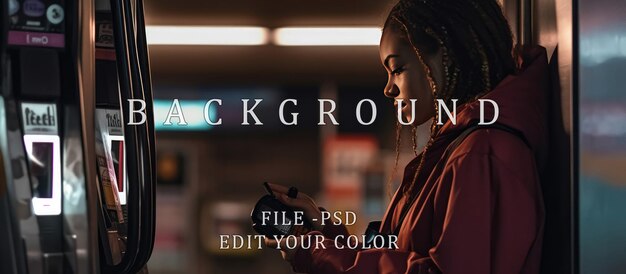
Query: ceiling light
x=327 y=36
x=206 y=35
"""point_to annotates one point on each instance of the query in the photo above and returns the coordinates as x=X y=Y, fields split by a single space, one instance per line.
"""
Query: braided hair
x=476 y=45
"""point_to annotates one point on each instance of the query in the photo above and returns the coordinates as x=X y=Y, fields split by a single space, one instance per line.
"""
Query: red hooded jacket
x=483 y=213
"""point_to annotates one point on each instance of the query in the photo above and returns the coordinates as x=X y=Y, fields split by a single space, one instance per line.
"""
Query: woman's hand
x=311 y=212
x=302 y=202
x=287 y=253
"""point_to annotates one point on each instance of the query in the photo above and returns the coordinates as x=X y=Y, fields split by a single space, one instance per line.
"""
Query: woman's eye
x=398 y=70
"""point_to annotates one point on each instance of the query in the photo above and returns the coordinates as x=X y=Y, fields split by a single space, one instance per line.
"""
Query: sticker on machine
x=39 y=118
x=112 y=118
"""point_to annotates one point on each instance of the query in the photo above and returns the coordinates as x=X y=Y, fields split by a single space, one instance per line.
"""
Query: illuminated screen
x=40 y=162
x=44 y=164
x=117 y=153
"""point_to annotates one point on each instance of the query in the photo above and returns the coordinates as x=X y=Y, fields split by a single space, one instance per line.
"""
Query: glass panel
x=602 y=123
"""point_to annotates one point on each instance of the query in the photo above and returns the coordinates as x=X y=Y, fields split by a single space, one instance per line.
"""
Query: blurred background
x=210 y=177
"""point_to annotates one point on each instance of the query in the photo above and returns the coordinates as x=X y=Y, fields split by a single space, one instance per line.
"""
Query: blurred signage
x=345 y=161
x=603 y=126
x=39 y=118
x=193 y=113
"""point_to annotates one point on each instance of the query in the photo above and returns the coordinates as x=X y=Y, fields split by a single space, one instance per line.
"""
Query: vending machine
x=76 y=181
x=46 y=192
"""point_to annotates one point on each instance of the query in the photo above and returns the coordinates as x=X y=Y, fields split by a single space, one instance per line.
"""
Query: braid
x=410 y=188
x=414 y=138
x=397 y=158
x=476 y=46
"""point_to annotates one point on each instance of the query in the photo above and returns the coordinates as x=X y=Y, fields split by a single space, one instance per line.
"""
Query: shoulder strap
x=451 y=147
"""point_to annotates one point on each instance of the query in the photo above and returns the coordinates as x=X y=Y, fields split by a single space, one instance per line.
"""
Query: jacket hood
x=522 y=102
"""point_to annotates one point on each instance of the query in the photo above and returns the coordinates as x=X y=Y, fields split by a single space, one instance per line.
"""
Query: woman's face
x=407 y=78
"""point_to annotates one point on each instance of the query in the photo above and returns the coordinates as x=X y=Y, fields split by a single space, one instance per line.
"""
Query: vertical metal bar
x=575 y=140
x=510 y=10
x=524 y=22
x=120 y=22
x=150 y=178
x=86 y=78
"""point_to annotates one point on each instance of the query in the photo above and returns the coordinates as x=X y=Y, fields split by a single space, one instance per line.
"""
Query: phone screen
x=276 y=220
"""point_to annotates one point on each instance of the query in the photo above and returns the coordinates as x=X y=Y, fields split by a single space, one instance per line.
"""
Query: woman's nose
x=391 y=90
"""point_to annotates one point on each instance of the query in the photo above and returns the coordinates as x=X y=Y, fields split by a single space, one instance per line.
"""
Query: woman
x=478 y=209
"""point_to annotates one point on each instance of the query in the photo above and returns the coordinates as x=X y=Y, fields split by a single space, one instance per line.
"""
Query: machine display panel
x=37 y=23
x=44 y=158
x=119 y=156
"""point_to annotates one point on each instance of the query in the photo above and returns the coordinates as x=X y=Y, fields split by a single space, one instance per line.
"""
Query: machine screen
x=117 y=153
x=40 y=161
